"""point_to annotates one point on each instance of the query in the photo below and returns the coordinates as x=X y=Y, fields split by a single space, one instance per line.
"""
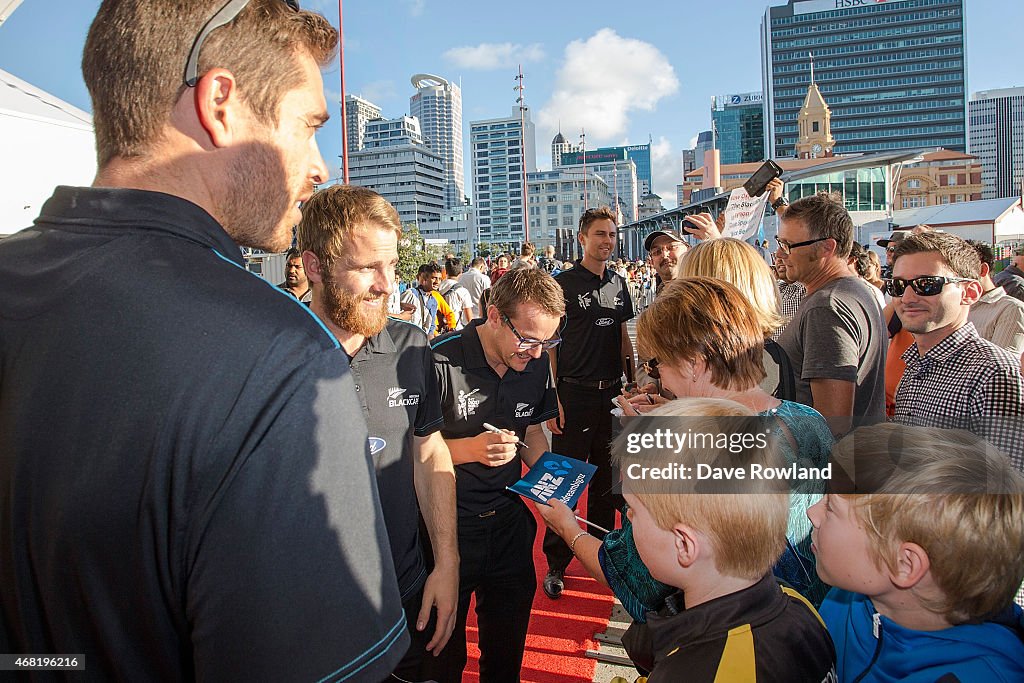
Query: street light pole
x=344 y=117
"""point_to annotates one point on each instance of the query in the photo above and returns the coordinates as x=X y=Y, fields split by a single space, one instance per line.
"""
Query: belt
x=591 y=384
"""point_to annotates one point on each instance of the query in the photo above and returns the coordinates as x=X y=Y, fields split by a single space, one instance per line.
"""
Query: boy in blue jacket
x=925 y=565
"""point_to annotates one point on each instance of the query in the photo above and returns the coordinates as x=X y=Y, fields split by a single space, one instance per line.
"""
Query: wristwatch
x=781 y=201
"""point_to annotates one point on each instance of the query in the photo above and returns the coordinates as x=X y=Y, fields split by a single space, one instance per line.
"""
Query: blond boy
x=735 y=622
x=926 y=562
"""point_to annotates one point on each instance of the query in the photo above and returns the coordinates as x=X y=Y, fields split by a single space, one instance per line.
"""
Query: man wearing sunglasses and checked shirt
x=954 y=378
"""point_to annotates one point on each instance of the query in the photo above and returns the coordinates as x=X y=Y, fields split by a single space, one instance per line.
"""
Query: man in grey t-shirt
x=476 y=281
x=837 y=340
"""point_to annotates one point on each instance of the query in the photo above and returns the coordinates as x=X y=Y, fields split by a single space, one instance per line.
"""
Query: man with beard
x=295 y=281
x=588 y=367
x=349 y=240
x=185 y=484
x=494 y=372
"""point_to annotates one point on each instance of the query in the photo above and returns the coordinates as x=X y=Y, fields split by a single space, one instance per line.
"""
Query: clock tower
x=813 y=124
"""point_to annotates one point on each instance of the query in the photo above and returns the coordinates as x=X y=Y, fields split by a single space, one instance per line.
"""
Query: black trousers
x=410 y=668
x=586 y=435
x=496 y=563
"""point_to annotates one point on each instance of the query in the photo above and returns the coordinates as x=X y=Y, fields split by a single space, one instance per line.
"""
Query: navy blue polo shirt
x=397 y=389
x=472 y=393
x=185 y=483
x=595 y=308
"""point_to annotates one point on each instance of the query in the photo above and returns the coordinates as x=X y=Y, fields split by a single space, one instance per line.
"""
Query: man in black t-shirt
x=349 y=237
x=494 y=371
x=588 y=367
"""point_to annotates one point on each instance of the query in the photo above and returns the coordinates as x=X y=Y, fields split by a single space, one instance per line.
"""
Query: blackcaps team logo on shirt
x=584 y=300
x=468 y=404
x=521 y=410
x=395 y=399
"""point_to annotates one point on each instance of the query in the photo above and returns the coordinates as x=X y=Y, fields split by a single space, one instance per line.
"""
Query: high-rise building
x=560 y=146
x=396 y=164
x=689 y=160
x=438 y=105
x=893 y=73
x=500 y=163
x=997 y=139
x=705 y=143
x=639 y=154
x=357 y=112
x=557 y=199
x=739 y=121
x=620 y=175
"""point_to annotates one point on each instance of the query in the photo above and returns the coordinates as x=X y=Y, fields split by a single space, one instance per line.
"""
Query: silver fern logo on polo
x=395 y=399
x=524 y=410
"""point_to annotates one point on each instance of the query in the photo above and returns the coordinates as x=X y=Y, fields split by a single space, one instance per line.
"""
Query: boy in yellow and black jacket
x=732 y=621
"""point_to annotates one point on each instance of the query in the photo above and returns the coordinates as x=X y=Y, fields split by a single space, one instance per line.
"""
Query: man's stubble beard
x=346 y=311
x=257 y=200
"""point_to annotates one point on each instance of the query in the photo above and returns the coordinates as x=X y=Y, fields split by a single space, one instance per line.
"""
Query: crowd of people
x=203 y=476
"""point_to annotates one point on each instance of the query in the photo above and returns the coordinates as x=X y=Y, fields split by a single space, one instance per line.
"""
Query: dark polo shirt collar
x=105 y=208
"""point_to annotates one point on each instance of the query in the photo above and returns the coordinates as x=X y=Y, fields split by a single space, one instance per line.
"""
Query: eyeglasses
x=226 y=14
x=786 y=247
x=666 y=248
x=926 y=285
x=890 y=249
x=525 y=343
x=651 y=368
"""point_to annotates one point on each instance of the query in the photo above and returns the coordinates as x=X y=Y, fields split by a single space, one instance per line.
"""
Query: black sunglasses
x=526 y=343
x=785 y=247
x=926 y=285
x=651 y=368
x=226 y=14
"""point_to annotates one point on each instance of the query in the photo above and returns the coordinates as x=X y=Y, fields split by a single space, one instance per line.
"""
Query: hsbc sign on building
x=828 y=5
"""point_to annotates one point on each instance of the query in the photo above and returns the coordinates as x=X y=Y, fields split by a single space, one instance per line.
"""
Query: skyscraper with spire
x=438 y=106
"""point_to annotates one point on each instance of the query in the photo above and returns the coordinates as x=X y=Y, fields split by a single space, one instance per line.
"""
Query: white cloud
x=602 y=80
x=416 y=7
x=486 y=56
x=666 y=170
x=377 y=92
x=692 y=143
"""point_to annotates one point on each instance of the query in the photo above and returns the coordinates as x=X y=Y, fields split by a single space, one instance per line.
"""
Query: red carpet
x=561 y=631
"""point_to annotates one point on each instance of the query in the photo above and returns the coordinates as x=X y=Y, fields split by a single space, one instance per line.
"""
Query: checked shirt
x=965 y=382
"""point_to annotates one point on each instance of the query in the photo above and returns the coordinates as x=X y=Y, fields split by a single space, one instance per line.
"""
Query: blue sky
x=625 y=71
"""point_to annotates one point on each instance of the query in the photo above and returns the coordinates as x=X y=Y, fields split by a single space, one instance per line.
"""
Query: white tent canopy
x=44 y=142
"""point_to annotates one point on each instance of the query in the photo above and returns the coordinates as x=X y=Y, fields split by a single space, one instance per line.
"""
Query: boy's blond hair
x=747 y=530
x=951 y=493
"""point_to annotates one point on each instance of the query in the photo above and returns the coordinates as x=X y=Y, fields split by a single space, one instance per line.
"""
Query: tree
x=410 y=253
x=413 y=252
